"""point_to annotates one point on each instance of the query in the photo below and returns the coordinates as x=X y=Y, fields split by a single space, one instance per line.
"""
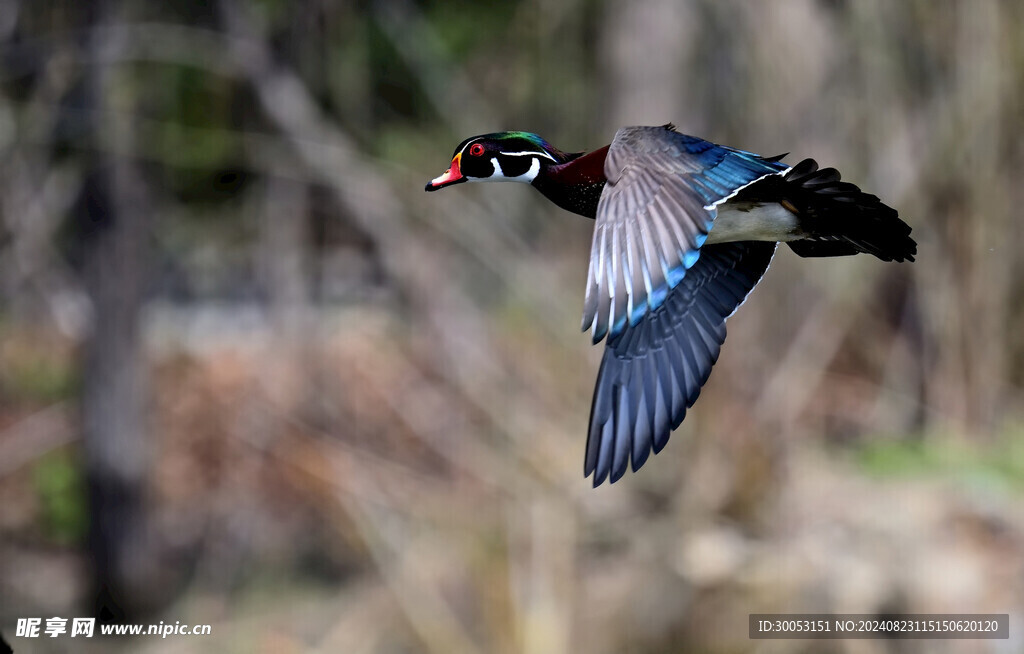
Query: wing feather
x=654 y=215
x=652 y=372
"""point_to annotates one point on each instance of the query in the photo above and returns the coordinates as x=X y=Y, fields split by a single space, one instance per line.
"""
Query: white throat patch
x=499 y=175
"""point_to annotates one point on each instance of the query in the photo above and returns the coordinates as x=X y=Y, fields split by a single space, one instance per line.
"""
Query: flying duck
x=684 y=230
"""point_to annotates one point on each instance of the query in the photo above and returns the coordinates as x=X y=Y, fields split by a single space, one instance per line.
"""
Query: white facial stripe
x=529 y=154
x=463 y=150
x=530 y=174
x=499 y=174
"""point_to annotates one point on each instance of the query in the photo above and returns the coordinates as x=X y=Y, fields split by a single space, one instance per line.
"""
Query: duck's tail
x=840 y=219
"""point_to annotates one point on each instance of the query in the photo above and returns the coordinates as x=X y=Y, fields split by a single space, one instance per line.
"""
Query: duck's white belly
x=745 y=222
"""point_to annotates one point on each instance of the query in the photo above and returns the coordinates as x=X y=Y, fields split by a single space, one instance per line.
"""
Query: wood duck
x=684 y=230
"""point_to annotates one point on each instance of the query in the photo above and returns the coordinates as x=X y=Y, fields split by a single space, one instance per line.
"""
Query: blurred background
x=252 y=376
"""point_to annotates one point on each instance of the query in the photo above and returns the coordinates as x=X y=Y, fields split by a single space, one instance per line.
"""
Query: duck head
x=499 y=157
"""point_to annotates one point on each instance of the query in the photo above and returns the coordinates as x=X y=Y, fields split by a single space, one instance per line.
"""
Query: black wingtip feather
x=801 y=170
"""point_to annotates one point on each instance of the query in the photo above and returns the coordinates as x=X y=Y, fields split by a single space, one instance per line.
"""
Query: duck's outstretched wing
x=652 y=372
x=653 y=216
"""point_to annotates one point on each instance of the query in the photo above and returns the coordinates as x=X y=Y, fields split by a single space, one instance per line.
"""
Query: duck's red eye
x=476 y=149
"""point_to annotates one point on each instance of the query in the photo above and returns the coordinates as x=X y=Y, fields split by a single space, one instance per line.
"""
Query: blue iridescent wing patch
x=653 y=217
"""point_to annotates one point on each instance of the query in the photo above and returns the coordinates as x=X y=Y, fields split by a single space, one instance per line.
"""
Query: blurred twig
x=34 y=436
x=427 y=610
x=451 y=91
